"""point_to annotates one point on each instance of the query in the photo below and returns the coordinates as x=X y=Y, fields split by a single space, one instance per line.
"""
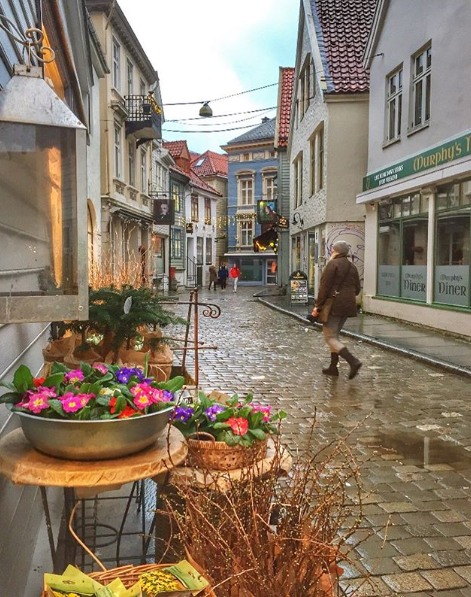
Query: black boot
x=354 y=363
x=332 y=368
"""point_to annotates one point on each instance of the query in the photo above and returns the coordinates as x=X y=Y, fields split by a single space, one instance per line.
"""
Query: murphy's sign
x=447 y=152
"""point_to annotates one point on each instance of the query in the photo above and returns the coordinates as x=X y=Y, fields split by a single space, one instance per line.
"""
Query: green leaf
x=10 y=397
x=53 y=381
x=258 y=433
x=56 y=406
x=23 y=379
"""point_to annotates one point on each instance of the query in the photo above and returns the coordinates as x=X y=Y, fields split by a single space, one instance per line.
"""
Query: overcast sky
x=209 y=49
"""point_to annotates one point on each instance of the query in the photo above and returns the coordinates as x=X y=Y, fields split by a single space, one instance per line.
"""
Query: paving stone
x=444 y=543
x=449 y=516
x=444 y=579
x=406 y=582
x=453 y=558
x=411 y=546
x=371 y=587
x=399 y=507
x=465 y=572
x=417 y=561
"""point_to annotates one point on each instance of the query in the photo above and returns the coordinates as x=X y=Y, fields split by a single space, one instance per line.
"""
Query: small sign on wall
x=298 y=287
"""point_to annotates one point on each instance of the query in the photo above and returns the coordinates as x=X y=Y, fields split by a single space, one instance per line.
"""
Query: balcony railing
x=144 y=120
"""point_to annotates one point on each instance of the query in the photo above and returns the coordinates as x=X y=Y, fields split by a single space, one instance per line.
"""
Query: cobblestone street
x=408 y=425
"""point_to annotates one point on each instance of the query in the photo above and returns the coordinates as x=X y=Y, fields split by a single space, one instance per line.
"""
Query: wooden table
x=24 y=465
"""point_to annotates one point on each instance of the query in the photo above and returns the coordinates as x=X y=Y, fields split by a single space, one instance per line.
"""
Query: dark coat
x=337 y=269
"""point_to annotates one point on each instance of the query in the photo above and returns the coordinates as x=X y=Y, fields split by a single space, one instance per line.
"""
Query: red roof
x=176 y=148
x=210 y=163
x=196 y=181
x=285 y=95
x=342 y=28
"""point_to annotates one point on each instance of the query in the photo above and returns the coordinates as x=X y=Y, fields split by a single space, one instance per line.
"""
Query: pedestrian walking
x=235 y=275
x=223 y=274
x=213 y=276
x=336 y=301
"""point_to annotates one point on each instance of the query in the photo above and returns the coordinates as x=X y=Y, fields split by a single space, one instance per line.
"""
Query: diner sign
x=447 y=152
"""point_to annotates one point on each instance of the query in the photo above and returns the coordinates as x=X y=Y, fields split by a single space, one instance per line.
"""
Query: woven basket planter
x=208 y=453
x=129 y=575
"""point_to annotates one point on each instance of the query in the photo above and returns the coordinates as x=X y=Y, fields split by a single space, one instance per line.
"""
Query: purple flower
x=183 y=413
x=212 y=411
x=74 y=376
x=124 y=374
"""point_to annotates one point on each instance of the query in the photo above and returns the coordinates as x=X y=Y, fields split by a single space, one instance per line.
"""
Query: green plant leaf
x=10 y=397
x=23 y=379
x=257 y=433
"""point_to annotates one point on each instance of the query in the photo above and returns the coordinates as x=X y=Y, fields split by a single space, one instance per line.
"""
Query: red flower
x=127 y=411
x=238 y=425
x=38 y=381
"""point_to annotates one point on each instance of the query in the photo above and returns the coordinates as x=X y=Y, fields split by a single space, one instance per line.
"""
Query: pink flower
x=71 y=402
x=100 y=367
x=74 y=376
x=37 y=403
x=266 y=410
x=238 y=425
x=143 y=395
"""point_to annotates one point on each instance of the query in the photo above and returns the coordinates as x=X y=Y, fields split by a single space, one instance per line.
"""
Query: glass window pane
x=466 y=192
x=389 y=258
x=37 y=210
x=415 y=204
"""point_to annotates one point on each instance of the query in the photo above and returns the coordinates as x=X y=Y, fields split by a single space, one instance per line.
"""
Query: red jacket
x=235 y=272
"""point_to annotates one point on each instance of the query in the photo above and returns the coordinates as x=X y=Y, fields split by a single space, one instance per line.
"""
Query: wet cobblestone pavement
x=408 y=425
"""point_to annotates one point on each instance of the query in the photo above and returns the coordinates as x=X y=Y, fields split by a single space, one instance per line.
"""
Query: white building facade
x=417 y=191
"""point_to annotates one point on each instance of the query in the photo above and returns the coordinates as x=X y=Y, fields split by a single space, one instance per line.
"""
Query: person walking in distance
x=213 y=276
x=235 y=275
x=223 y=274
x=341 y=283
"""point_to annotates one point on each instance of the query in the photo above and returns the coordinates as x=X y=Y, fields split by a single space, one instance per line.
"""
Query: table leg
x=50 y=533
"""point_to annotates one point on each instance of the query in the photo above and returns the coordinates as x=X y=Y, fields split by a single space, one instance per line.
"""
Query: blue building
x=252 y=204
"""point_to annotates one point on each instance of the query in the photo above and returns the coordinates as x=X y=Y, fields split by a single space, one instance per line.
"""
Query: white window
x=269 y=187
x=117 y=152
x=130 y=72
x=421 y=87
x=298 y=180
x=116 y=64
x=245 y=233
x=245 y=194
x=304 y=86
x=143 y=172
x=394 y=105
x=131 y=164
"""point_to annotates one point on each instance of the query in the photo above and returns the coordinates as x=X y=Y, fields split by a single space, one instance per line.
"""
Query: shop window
x=389 y=252
x=177 y=244
x=453 y=260
x=414 y=259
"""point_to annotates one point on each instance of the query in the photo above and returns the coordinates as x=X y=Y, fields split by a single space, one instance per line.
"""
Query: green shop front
x=418 y=231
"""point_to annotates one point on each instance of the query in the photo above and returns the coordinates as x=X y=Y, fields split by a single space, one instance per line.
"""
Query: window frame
x=130 y=76
x=131 y=164
x=420 y=114
x=118 y=152
x=393 y=108
x=116 y=63
x=194 y=207
x=245 y=190
x=245 y=232
x=143 y=171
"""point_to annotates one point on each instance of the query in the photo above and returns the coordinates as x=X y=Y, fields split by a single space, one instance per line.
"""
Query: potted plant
x=91 y=412
x=225 y=434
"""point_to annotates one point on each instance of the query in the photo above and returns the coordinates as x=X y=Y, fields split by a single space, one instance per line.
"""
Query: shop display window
x=453 y=260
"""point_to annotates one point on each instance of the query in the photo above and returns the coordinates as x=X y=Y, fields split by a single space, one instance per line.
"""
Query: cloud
x=206 y=51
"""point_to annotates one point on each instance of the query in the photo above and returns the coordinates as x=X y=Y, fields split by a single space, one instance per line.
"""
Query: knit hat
x=341 y=247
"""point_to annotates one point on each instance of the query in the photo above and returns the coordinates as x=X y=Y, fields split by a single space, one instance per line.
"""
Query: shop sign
x=432 y=158
x=298 y=287
x=414 y=282
x=452 y=285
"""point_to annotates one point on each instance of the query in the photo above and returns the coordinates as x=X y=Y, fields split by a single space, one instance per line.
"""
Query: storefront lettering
x=450 y=284
x=444 y=288
x=414 y=286
x=432 y=158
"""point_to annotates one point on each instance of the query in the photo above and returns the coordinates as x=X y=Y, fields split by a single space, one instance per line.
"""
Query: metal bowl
x=93 y=440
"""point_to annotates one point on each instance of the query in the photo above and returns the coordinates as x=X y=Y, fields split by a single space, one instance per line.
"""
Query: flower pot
x=207 y=453
x=87 y=355
x=56 y=350
x=94 y=439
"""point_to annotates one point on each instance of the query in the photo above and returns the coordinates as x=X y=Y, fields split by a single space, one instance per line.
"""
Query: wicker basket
x=211 y=454
x=129 y=575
